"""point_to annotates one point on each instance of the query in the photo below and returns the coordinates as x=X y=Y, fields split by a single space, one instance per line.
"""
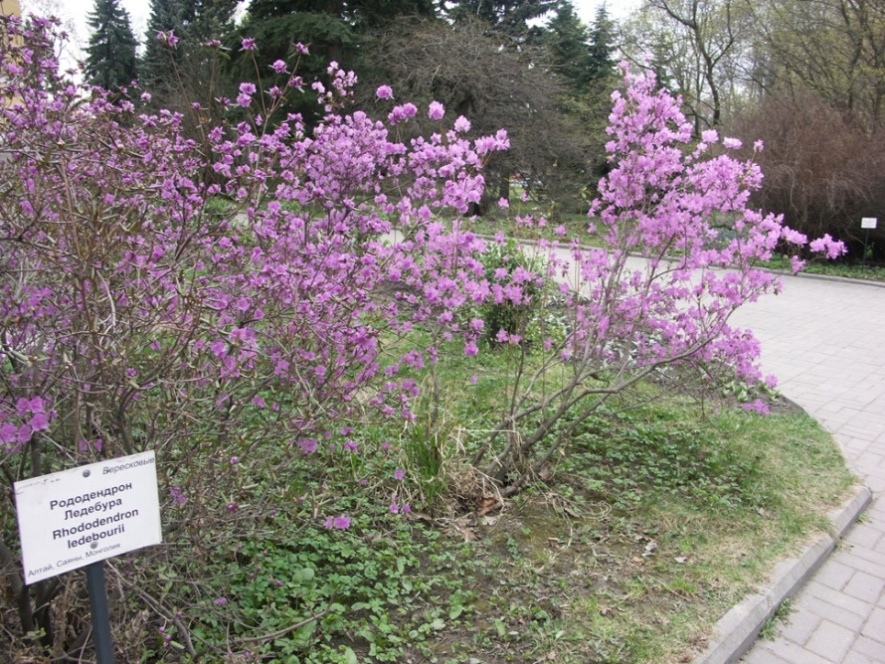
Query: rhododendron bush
x=258 y=285
x=680 y=250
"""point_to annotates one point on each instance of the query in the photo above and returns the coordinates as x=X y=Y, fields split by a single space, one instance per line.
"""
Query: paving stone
x=875 y=627
x=830 y=641
x=819 y=597
x=865 y=587
x=864 y=560
x=838 y=615
x=795 y=654
x=853 y=657
x=802 y=624
x=869 y=648
x=876 y=484
x=762 y=656
x=834 y=574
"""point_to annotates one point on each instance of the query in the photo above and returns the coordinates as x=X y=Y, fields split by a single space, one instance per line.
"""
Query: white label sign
x=79 y=516
x=868 y=222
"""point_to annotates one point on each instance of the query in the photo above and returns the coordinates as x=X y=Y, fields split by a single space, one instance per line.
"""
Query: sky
x=75 y=11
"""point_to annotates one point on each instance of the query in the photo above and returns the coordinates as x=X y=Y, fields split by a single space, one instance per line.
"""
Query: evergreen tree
x=333 y=30
x=193 y=23
x=602 y=45
x=568 y=40
x=359 y=13
x=331 y=27
x=508 y=16
x=110 y=59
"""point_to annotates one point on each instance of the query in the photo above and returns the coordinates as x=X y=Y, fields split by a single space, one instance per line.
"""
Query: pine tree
x=568 y=40
x=602 y=45
x=110 y=60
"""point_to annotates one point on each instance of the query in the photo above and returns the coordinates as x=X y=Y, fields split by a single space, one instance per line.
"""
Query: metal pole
x=101 y=621
x=866 y=241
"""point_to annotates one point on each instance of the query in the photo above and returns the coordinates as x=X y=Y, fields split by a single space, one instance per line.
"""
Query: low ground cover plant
x=271 y=306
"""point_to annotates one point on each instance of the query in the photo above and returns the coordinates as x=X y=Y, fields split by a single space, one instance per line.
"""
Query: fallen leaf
x=487 y=504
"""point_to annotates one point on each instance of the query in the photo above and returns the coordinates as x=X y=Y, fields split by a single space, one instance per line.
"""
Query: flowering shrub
x=137 y=312
x=678 y=257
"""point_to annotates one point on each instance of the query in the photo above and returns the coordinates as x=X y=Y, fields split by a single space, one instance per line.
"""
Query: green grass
x=833 y=269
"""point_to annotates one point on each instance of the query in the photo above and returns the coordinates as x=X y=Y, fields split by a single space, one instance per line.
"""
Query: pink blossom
x=167 y=38
x=337 y=523
x=384 y=92
x=401 y=113
x=827 y=244
x=39 y=422
x=248 y=44
x=308 y=445
x=436 y=111
x=178 y=498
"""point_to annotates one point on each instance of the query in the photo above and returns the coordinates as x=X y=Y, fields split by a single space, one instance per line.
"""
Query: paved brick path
x=825 y=340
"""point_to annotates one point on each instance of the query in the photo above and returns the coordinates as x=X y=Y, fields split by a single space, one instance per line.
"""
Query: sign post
x=101 y=617
x=82 y=516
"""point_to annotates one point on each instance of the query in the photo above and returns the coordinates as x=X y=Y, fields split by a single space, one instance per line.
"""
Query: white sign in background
x=868 y=222
x=75 y=517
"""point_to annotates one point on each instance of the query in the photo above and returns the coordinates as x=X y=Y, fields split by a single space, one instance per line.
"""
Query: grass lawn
x=833 y=269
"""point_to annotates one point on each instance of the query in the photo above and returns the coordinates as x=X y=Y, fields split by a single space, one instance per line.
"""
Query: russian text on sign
x=79 y=516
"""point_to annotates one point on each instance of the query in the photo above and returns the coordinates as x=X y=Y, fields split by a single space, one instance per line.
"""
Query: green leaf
x=303 y=575
x=499 y=626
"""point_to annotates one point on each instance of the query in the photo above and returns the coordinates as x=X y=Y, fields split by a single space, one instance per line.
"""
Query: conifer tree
x=110 y=60
x=193 y=22
x=602 y=45
x=508 y=16
x=568 y=40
